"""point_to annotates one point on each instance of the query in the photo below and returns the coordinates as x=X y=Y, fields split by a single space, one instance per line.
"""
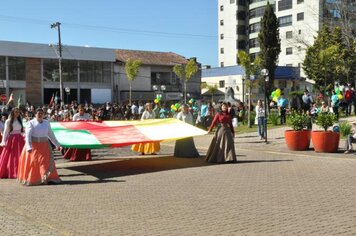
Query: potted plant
x=298 y=138
x=325 y=140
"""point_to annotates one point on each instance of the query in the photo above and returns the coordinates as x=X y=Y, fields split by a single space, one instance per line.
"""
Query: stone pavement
x=270 y=191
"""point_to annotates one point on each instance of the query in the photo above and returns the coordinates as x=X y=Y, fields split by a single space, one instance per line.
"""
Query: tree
x=270 y=45
x=131 y=69
x=186 y=72
x=212 y=89
x=251 y=68
x=328 y=60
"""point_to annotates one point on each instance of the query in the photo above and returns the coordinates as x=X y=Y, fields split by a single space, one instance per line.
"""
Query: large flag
x=52 y=101
x=92 y=134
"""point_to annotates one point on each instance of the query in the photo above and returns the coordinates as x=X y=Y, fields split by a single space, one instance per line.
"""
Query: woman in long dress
x=36 y=164
x=12 y=143
x=185 y=147
x=147 y=148
x=222 y=147
x=76 y=154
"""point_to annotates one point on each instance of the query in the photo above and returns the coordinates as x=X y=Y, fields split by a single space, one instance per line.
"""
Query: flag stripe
x=121 y=133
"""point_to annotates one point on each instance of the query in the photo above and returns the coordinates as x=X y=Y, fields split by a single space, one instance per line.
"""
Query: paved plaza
x=270 y=191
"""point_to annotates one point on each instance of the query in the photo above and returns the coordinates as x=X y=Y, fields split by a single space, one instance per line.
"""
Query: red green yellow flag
x=92 y=134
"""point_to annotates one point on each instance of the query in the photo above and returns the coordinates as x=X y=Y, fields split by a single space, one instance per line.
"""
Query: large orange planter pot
x=325 y=141
x=297 y=140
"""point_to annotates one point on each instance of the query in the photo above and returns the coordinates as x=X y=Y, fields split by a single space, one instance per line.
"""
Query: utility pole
x=58 y=26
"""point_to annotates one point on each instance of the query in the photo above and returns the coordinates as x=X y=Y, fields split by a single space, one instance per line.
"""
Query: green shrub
x=297 y=121
x=345 y=129
x=273 y=117
x=325 y=120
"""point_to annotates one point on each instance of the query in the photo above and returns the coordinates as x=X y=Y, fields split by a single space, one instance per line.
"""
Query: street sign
x=3 y=97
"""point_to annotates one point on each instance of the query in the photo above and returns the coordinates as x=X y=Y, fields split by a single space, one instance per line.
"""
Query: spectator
x=307 y=101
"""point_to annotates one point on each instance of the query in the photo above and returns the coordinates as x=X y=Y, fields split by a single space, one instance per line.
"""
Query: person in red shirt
x=222 y=147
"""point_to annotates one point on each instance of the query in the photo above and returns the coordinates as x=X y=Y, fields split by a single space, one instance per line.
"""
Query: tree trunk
x=185 y=91
x=130 y=93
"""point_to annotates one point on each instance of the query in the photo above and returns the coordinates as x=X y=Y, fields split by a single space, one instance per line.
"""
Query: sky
x=186 y=27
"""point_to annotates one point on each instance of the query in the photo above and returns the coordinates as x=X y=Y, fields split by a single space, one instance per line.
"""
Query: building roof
x=282 y=72
x=36 y=50
x=223 y=71
x=151 y=58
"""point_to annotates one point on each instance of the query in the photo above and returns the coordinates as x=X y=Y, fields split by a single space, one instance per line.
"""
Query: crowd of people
x=27 y=142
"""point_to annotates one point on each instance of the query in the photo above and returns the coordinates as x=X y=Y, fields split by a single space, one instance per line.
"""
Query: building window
x=289 y=51
x=222 y=64
x=253 y=43
x=253 y=56
x=95 y=71
x=253 y=1
x=221 y=84
x=285 y=5
x=221 y=36
x=300 y=16
x=2 y=68
x=299 y=31
x=257 y=12
x=285 y=20
x=241 y=30
x=221 y=22
x=300 y=1
x=221 y=50
x=242 y=2
x=232 y=1
x=256 y=27
x=241 y=44
x=241 y=15
x=17 y=68
x=289 y=34
x=221 y=7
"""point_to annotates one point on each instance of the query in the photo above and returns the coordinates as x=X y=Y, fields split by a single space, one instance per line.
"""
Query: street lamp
x=67 y=89
x=243 y=89
x=159 y=89
x=265 y=73
x=58 y=26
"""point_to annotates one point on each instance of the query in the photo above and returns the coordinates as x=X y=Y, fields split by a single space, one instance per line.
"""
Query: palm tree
x=186 y=73
x=212 y=89
x=131 y=69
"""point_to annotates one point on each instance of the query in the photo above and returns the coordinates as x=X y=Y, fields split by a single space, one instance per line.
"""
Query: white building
x=239 y=25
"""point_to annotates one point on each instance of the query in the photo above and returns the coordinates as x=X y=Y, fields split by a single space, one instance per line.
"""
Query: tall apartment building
x=299 y=21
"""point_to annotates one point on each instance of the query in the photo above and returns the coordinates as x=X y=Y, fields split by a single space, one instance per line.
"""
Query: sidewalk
x=270 y=191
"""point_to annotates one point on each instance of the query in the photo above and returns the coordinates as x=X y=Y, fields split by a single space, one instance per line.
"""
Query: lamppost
x=243 y=89
x=58 y=26
x=159 y=89
x=67 y=89
x=265 y=73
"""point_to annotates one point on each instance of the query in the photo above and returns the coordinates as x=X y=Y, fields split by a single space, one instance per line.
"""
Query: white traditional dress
x=36 y=165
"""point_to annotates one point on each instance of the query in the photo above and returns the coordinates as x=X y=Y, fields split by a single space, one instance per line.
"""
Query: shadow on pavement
x=137 y=166
x=256 y=161
x=79 y=182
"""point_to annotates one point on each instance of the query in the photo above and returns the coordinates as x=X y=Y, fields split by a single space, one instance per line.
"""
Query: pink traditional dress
x=12 y=143
x=38 y=167
x=76 y=154
x=2 y=126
